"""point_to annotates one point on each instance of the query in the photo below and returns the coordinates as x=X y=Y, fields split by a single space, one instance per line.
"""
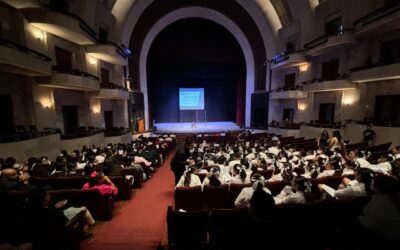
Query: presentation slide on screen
x=191 y=98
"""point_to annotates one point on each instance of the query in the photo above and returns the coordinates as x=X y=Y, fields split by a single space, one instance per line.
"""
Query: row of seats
x=224 y=196
x=296 y=226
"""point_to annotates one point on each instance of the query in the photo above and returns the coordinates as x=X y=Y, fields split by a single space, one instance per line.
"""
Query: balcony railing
x=285 y=88
x=323 y=39
x=376 y=15
x=75 y=72
x=23 y=49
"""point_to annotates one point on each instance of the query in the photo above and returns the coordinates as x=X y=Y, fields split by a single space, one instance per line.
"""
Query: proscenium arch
x=205 y=13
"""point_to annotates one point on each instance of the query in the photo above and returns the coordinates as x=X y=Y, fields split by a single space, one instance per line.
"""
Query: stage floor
x=196 y=127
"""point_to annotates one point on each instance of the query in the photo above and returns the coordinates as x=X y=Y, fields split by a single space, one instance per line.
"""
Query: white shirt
x=288 y=196
x=243 y=199
x=326 y=173
x=356 y=190
x=194 y=181
x=363 y=162
x=237 y=180
x=382 y=168
x=139 y=159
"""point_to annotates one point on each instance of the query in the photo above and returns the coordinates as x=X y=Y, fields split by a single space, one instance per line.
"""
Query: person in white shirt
x=360 y=188
x=396 y=152
x=334 y=167
x=296 y=193
x=189 y=179
x=243 y=199
x=239 y=175
x=384 y=165
x=213 y=178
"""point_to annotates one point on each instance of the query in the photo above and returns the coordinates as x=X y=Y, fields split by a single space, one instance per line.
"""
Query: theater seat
x=234 y=191
x=188 y=198
x=187 y=230
x=216 y=197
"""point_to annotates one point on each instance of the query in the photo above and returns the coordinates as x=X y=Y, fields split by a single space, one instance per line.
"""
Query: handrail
x=111 y=85
x=372 y=65
x=322 y=39
x=316 y=80
x=282 y=89
x=76 y=72
x=376 y=15
x=82 y=24
x=23 y=49
x=282 y=56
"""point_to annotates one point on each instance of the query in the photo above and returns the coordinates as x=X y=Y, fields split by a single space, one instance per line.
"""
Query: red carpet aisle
x=141 y=222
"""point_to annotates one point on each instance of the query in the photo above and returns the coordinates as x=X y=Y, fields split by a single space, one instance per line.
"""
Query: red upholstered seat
x=216 y=197
x=234 y=191
x=188 y=198
x=187 y=229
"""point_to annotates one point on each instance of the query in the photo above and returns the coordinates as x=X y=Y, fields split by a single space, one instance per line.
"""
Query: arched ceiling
x=267 y=14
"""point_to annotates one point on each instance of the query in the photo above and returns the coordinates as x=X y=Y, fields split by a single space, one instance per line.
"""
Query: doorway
x=327 y=113
x=7 y=115
x=108 y=120
x=70 y=119
x=288 y=115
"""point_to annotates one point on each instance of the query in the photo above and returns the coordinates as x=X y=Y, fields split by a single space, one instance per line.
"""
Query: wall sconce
x=39 y=35
x=301 y=106
x=46 y=103
x=96 y=110
x=93 y=61
x=304 y=67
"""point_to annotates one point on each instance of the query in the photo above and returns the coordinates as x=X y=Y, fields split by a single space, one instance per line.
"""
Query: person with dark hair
x=332 y=168
x=381 y=216
x=102 y=183
x=178 y=162
x=384 y=165
x=213 y=178
x=396 y=152
x=298 y=192
x=335 y=141
x=323 y=139
x=189 y=179
x=358 y=188
x=369 y=136
x=262 y=204
x=244 y=197
x=239 y=175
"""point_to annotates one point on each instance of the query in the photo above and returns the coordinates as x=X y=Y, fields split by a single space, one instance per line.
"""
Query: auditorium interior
x=95 y=117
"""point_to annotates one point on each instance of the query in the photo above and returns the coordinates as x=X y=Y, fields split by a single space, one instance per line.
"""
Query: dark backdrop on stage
x=219 y=91
x=196 y=53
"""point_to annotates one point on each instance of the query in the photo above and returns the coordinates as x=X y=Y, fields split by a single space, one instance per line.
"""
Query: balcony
x=18 y=59
x=284 y=93
x=23 y=4
x=65 y=25
x=283 y=60
x=70 y=79
x=375 y=72
x=383 y=20
x=113 y=94
x=321 y=85
x=325 y=44
x=108 y=52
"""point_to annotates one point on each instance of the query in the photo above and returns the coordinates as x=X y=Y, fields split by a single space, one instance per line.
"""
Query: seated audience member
x=384 y=165
x=189 y=179
x=239 y=175
x=102 y=183
x=311 y=170
x=298 y=192
x=396 y=152
x=262 y=204
x=23 y=183
x=43 y=168
x=381 y=216
x=9 y=178
x=40 y=201
x=285 y=174
x=335 y=141
x=243 y=199
x=358 y=188
x=332 y=168
x=323 y=140
x=213 y=178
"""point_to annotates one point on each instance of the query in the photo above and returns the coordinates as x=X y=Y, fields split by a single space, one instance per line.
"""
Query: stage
x=196 y=127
